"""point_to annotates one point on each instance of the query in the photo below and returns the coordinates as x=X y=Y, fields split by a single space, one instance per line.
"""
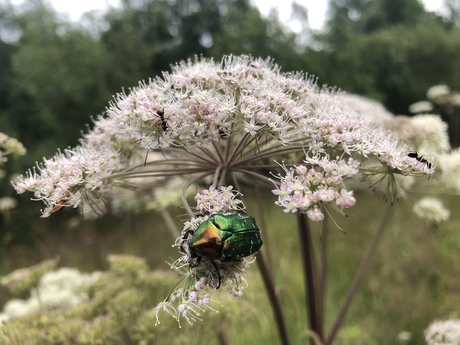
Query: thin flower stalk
x=310 y=276
x=360 y=274
x=275 y=302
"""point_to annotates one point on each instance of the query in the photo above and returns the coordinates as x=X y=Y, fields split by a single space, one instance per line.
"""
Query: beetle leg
x=218 y=273
x=197 y=260
x=184 y=240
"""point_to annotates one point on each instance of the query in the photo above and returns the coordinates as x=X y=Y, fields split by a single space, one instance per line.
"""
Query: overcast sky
x=316 y=8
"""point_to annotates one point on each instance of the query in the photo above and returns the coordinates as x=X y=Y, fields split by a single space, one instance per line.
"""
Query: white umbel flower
x=443 y=332
x=431 y=209
x=420 y=107
x=437 y=91
x=431 y=137
x=62 y=288
x=216 y=120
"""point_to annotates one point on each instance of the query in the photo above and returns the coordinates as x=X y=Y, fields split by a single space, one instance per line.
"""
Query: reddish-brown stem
x=274 y=299
x=310 y=276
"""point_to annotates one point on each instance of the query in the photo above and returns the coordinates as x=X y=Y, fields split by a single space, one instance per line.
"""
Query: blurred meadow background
x=56 y=74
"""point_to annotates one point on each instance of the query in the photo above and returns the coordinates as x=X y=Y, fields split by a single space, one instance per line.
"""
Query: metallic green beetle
x=225 y=238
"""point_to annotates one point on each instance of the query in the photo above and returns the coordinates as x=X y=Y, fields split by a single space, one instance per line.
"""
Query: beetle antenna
x=218 y=273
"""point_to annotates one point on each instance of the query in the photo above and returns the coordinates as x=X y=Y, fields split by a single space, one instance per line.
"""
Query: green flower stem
x=360 y=273
x=313 y=305
x=274 y=299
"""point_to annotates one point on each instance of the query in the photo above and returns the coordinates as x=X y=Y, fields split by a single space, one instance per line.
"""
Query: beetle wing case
x=241 y=244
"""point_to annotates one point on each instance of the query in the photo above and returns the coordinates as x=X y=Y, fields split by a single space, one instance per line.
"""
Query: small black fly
x=161 y=114
x=419 y=158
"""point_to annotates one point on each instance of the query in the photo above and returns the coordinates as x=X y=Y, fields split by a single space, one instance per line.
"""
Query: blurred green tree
x=392 y=54
x=58 y=80
x=352 y=18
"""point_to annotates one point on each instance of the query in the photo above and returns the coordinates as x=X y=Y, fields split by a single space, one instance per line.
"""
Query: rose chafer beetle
x=223 y=237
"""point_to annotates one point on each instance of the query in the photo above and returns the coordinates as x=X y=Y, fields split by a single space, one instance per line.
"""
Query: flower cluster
x=189 y=298
x=72 y=177
x=117 y=307
x=7 y=203
x=445 y=332
x=421 y=107
x=431 y=137
x=426 y=133
x=8 y=146
x=437 y=91
x=24 y=279
x=213 y=119
x=431 y=209
x=305 y=189
x=212 y=201
x=450 y=166
x=56 y=289
x=372 y=110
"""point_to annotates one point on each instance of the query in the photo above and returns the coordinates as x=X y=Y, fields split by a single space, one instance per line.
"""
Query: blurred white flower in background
x=420 y=107
x=3 y=319
x=443 y=332
x=432 y=134
x=62 y=288
x=404 y=336
x=450 y=167
x=8 y=146
x=431 y=209
x=18 y=307
x=437 y=91
x=7 y=203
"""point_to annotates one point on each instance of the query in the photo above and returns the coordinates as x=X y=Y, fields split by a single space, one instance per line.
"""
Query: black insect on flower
x=415 y=155
x=161 y=114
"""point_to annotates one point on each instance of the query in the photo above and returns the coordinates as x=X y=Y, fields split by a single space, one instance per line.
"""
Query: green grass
x=412 y=281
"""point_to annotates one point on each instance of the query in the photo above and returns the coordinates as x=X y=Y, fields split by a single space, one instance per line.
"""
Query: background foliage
x=55 y=74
